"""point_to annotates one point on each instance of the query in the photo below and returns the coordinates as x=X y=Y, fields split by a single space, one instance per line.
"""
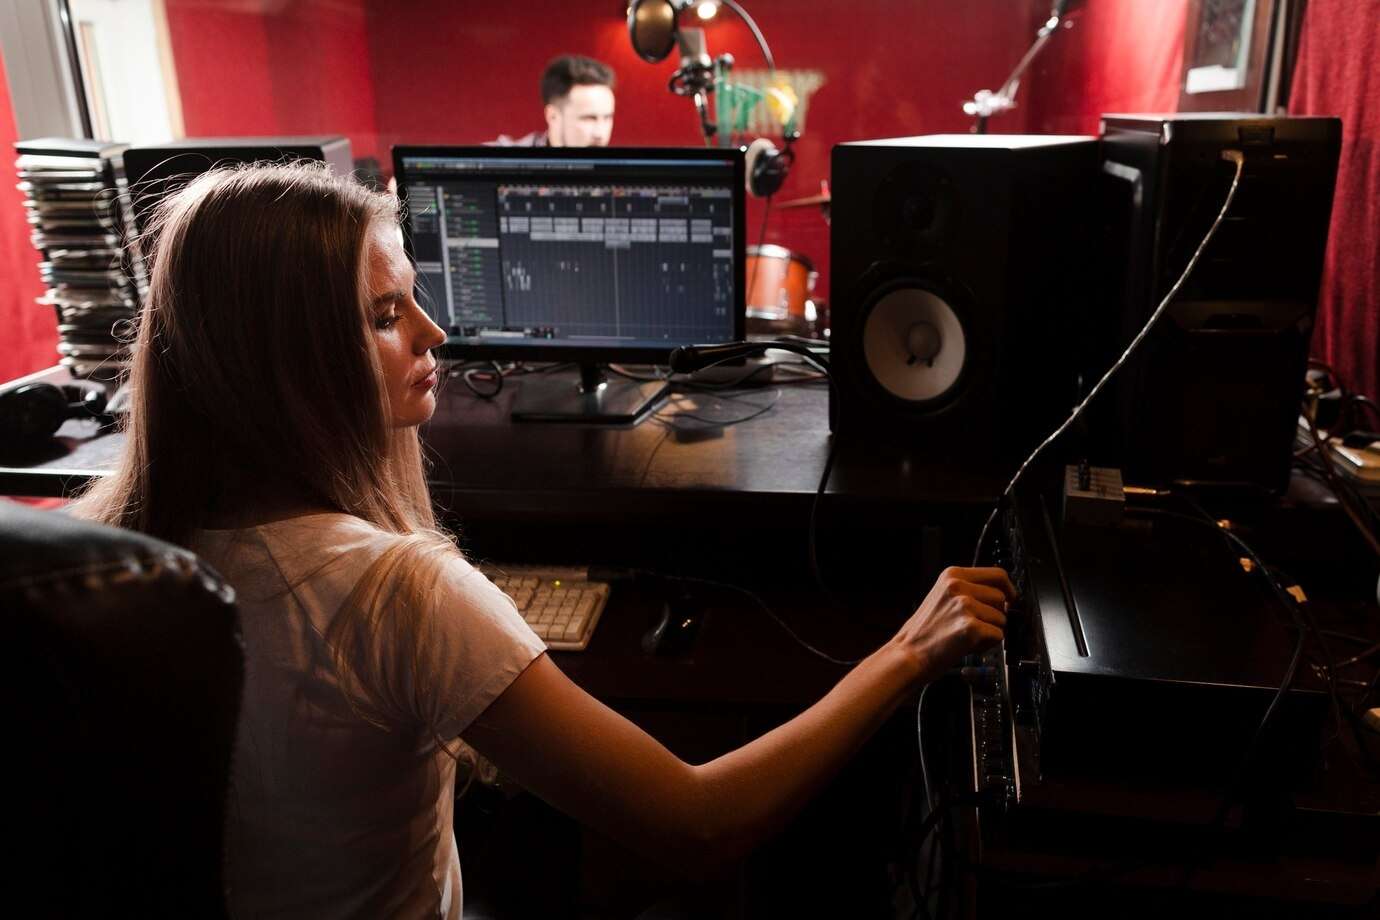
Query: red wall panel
x=248 y=67
x=1117 y=56
x=464 y=73
x=28 y=332
x=220 y=53
x=417 y=71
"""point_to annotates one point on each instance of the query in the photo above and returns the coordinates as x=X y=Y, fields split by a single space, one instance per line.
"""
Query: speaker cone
x=913 y=345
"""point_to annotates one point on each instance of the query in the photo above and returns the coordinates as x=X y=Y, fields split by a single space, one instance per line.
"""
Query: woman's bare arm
x=592 y=763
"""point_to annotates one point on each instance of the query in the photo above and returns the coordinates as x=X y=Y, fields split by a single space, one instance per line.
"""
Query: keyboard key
x=560 y=604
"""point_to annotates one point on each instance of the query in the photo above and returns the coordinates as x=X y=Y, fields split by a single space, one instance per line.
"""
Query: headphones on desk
x=33 y=412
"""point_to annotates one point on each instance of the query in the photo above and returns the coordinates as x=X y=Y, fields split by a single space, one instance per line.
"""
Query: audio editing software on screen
x=618 y=252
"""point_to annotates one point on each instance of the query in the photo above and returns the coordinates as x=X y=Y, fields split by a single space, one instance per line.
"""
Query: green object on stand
x=733 y=102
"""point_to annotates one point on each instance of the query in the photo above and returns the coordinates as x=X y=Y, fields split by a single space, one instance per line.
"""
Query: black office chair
x=121 y=688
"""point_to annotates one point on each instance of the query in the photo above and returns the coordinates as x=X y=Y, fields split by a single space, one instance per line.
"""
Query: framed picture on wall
x=1228 y=47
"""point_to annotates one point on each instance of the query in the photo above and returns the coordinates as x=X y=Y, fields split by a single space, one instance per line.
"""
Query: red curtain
x=1337 y=75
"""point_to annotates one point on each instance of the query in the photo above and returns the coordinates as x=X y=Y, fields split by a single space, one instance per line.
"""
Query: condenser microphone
x=696 y=72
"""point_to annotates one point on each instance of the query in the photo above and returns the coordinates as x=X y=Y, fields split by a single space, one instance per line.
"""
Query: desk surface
x=604 y=494
x=485 y=463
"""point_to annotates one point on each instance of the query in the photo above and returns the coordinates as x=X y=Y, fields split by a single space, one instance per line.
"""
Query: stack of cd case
x=77 y=204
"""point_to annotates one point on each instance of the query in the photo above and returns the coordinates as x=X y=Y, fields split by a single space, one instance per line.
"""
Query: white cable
x=920 y=738
x=1234 y=156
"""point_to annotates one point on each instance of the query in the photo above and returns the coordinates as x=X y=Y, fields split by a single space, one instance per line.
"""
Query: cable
x=761 y=241
x=756 y=33
x=740 y=589
x=927 y=785
x=1300 y=617
x=920 y=743
x=1220 y=818
x=692 y=384
x=470 y=375
x=1356 y=659
x=845 y=662
x=729 y=384
x=932 y=821
x=670 y=420
x=814 y=528
x=1330 y=474
x=822 y=366
x=1347 y=637
x=805 y=340
x=1367 y=402
x=1361 y=504
x=647 y=467
x=1234 y=156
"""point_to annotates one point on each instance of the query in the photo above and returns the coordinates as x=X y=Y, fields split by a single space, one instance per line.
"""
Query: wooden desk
x=486 y=462
x=730 y=504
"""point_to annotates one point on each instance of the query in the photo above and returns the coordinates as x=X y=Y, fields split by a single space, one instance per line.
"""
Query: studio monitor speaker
x=958 y=292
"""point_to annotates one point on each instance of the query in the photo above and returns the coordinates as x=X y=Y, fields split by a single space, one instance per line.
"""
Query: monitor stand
x=593 y=399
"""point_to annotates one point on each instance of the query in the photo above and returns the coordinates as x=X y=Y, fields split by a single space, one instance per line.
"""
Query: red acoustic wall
x=1116 y=56
x=891 y=67
x=1336 y=75
x=28 y=332
x=421 y=71
x=247 y=67
x=417 y=71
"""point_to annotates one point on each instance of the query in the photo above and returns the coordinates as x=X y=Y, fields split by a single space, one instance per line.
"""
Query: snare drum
x=779 y=282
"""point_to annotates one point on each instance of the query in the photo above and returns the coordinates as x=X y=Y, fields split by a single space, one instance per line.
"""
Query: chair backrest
x=121 y=689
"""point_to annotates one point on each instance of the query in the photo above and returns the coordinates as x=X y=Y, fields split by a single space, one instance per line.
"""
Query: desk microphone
x=690 y=358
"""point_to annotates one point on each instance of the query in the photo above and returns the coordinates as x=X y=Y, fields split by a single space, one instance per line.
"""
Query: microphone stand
x=700 y=76
x=986 y=103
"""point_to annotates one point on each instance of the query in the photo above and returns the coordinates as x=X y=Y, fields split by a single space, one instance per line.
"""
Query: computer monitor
x=587 y=255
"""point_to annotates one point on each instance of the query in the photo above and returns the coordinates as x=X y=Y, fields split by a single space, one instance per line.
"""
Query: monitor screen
x=576 y=254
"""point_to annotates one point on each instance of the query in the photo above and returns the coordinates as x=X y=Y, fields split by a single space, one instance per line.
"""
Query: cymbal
x=806 y=202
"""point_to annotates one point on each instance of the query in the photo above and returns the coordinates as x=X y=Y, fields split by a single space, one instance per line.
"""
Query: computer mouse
x=674 y=632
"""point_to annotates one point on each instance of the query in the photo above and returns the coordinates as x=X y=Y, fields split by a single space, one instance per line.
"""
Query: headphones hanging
x=767 y=167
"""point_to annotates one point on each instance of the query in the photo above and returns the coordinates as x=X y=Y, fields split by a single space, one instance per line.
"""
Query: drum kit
x=781 y=285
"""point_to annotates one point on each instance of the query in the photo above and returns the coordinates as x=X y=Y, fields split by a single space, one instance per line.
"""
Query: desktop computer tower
x=156 y=170
x=1213 y=395
x=958 y=284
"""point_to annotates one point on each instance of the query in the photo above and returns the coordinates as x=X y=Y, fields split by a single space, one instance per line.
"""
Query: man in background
x=577 y=100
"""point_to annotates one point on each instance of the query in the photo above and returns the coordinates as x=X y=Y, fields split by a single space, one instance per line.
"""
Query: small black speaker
x=159 y=169
x=958 y=292
x=1213 y=396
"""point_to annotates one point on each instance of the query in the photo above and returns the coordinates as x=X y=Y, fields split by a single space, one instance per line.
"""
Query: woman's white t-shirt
x=329 y=814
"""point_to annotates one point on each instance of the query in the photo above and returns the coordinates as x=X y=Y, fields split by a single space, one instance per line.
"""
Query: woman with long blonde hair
x=281 y=371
